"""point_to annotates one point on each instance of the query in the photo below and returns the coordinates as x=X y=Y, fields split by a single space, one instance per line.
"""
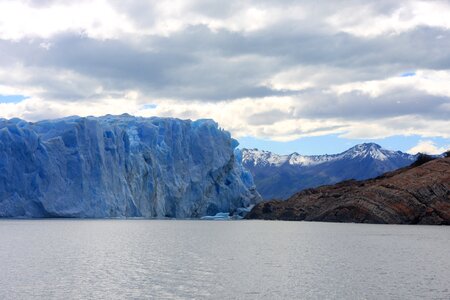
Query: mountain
x=412 y=195
x=280 y=176
x=120 y=166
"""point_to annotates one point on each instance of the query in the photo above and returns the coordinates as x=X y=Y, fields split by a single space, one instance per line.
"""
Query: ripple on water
x=135 y=259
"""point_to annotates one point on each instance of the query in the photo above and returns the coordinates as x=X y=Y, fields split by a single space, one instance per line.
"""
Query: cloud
x=38 y=109
x=428 y=147
x=272 y=69
x=406 y=16
x=47 y=18
x=430 y=81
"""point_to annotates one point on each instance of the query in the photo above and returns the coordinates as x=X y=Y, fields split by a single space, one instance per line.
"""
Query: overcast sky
x=281 y=75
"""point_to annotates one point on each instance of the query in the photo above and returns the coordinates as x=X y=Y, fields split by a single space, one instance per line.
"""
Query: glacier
x=121 y=166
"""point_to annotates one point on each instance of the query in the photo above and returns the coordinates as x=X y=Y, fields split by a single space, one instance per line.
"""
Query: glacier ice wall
x=120 y=166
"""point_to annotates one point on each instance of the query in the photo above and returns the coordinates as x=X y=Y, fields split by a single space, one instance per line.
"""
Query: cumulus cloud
x=271 y=69
x=47 y=18
x=428 y=147
x=431 y=82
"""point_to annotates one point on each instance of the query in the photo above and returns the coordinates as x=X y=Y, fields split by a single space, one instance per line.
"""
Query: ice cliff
x=120 y=166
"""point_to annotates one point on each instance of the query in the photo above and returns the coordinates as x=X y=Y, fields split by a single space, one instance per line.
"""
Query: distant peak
x=372 y=150
x=367 y=146
x=364 y=150
x=254 y=150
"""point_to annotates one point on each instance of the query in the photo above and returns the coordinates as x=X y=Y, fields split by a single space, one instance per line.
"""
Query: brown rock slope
x=412 y=195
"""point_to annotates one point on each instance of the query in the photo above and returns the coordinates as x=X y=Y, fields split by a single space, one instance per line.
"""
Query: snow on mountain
x=279 y=176
x=368 y=150
x=120 y=166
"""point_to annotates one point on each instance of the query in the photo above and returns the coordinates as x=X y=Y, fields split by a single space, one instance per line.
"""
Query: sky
x=281 y=75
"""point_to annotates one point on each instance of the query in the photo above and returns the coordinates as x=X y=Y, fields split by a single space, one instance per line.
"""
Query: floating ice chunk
x=218 y=216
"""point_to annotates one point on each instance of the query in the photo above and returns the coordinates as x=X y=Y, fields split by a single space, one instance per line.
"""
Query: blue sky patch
x=150 y=106
x=408 y=74
x=11 y=98
x=331 y=144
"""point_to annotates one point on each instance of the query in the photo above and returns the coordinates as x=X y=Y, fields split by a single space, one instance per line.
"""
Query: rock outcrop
x=412 y=195
x=120 y=166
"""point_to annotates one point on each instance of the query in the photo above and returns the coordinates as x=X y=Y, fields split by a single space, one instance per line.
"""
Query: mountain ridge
x=361 y=150
x=280 y=176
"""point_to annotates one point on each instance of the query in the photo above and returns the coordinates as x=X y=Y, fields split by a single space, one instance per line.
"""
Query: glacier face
x=120 y=166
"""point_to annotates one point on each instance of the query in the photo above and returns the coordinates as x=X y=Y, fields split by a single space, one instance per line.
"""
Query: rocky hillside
x=280 y=176
x=412 y=195
x=120 y=166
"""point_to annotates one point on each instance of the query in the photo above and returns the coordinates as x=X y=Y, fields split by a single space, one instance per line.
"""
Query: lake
x=186 y=259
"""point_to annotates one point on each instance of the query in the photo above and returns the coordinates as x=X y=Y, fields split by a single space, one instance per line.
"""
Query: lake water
x=165 y=259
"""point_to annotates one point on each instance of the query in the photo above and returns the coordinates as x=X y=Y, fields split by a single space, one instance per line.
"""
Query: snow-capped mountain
x=279 y=176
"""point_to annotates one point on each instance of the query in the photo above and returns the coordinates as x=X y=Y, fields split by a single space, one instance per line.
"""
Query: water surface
x=168 y=259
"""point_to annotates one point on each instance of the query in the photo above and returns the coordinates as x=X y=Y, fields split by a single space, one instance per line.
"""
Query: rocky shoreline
x=411 y=195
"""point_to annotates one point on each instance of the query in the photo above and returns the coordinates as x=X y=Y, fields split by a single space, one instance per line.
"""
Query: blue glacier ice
x=120 y=166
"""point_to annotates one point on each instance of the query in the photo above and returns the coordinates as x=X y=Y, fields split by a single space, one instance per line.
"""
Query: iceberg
x=120 y=166
x=218 y=216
